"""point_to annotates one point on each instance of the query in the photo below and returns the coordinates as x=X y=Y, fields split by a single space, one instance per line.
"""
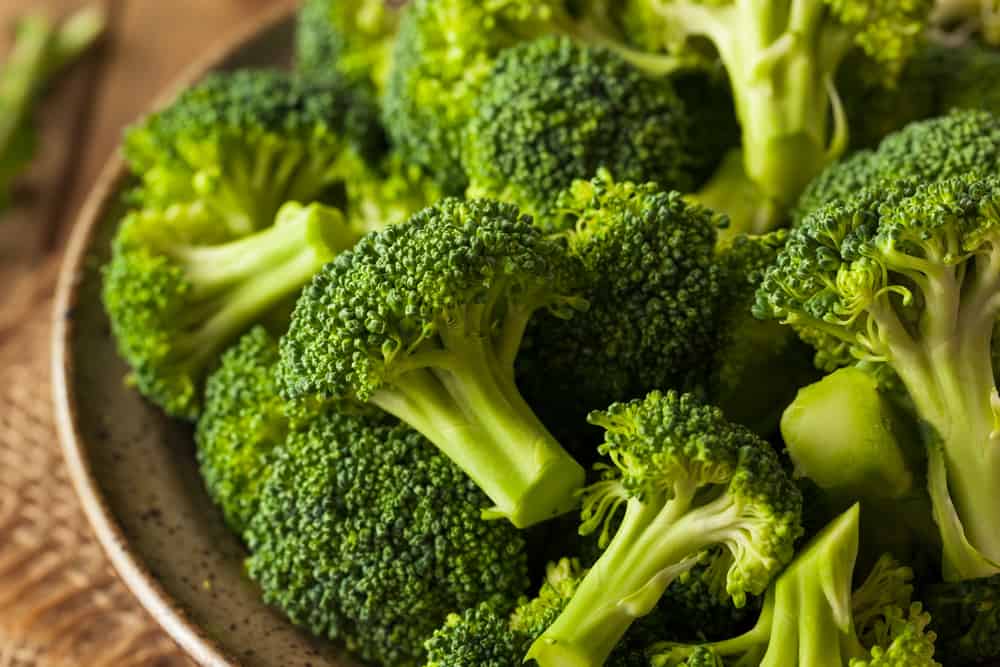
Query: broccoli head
x=365 y=533
x=782 y=59
x=246 y=142
x=242 y=427
x=694 y=488
x=652 y=284
x=904 y=277
x=553 y=111
x=959 y=143
x=424 y=320
x=810 y=616
x=179 y=288
x=349 y=38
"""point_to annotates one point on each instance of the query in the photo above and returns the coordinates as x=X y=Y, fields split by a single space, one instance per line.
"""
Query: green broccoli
x=424 y=320
x=695 y=488
x=41 y=49
x=757 y=366
x=242 y=427
x=446 y=50
x=782 y=59
x=904 y=278
x=959 y=143
x=966 y=618
x=349 y=38
x=366 y=534
x=179 y=288
x=969 y=79
x=246 y=142
x=653 y=286
x=810 y=616
x=553 y=111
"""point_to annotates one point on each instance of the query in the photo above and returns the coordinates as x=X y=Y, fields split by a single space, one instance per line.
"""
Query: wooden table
x=148 y=44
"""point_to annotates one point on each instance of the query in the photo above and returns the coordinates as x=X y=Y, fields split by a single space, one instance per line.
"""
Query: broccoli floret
x=905 y=277
x=246 y=142
x=349 y=38
x=694 y=488
x=959 y=143
x=41 y=49
x=424 y=320
x=969 y=78
x=705 y=94
x=242 y=426
x=782 y=59
x=388 y=193
x=179 y=289
x=966 y=618
x=811 y=618
x=365 y=533
x=652 y=284
x=553 y=111
x=757 y=366
x=446 y=50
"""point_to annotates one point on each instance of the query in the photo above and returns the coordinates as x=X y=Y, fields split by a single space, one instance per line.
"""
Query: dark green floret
x=425 y=320
x=904 y=277
x=244 y=143
x=366 y=534
x=242 y=426
x=653 y=287
x=180 y=288
x=694 y=488
x=957 y=144
x=812 y=617
x=553 y=111
x=348 y=38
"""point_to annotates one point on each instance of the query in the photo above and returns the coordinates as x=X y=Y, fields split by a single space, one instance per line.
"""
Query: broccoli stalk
x=694 y=487
x=176 y=301
x=810 y=616
x=424 y=320
x=782 y=58
x=907 y=277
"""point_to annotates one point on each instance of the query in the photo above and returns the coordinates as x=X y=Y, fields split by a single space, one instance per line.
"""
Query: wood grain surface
x=148 y=44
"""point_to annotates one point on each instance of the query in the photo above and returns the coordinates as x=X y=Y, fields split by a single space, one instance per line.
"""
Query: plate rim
x=135 y=575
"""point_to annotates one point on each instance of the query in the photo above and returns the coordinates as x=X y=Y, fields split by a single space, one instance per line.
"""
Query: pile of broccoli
x=580 y=333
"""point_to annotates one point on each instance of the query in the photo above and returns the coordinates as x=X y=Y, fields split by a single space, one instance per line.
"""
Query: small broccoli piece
x=246 y=142
x=810 y=616
x=349 y=38
x=966 y=619
x=757 y=366
x=695 y=488
x=905 y=277
x=652 y=284
x=957 y=144
x=960 y=18
x=424 y=320
x=388 y=193
x=553 y=111
x=782 y=59
x=178 y=289
x=367 y=534
x=242 y=426
x=41 y=49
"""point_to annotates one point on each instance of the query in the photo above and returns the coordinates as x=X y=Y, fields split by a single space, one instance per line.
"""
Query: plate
x=134 y=469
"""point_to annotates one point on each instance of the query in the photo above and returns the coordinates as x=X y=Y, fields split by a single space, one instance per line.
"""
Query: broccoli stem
x=466 y=403
x=781 y=58
x=655 y=544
